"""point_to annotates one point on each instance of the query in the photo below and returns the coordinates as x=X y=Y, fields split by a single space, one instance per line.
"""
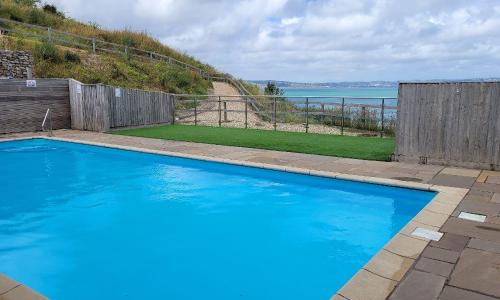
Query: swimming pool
x=87 y=222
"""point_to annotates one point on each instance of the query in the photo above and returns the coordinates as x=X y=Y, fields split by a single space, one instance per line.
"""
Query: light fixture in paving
x=427 y=234
x=472 y=217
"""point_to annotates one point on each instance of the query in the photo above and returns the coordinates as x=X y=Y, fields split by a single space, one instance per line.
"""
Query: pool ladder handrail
x=48 y=116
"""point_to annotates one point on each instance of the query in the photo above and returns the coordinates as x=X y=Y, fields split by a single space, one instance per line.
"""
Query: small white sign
x=78 y=88
x=118 y=92
x=30 y=83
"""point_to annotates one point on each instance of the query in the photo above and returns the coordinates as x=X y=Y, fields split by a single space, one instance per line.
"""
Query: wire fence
x=93 y=45
x=331 y=115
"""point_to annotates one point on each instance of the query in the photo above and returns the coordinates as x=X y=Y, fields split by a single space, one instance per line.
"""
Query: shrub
x=15 y=17
x=52 y=9
x=71 y=57
x=38 y=17
x=48 y=52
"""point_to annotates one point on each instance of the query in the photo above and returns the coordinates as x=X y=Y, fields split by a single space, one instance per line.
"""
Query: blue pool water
x=85 y=222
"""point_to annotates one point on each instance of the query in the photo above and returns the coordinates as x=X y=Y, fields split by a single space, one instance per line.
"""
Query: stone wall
x=16 y=64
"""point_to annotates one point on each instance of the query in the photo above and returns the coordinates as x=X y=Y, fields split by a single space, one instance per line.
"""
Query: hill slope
x=67 y=62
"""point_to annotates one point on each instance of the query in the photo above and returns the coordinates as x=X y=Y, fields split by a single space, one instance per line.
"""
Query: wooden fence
x=452 y=123
x=98 y=107
x=23 y=107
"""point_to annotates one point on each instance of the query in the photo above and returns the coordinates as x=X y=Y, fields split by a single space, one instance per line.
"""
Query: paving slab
x=493 y=179
x=488 y=187
x=367 y=286
x=441 y=254
x=389 y=265
x=460 y=172
x=6 y=284
x=485 y=174
x=484 y=245
x=453 y=293
x=488 y=209
x=434 y=266
x=450 y=241
x=478 y=271
x=496 y=198
x=406 y=246
x=485 y=231
x=22 y=292
x=453 y=180
x=475 y=195
x=419 y=286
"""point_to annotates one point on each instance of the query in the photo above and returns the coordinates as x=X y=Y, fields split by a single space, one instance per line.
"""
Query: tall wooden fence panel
x=23 y=108
x=451 y=123
x=101 y=107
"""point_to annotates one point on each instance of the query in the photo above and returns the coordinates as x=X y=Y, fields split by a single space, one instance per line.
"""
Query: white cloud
x=319 y=40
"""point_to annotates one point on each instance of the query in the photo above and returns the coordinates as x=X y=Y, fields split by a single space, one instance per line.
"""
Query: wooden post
x=49 y=34
x=342 y=120
x=173 y=108
x=219 y=113
x=195 y=113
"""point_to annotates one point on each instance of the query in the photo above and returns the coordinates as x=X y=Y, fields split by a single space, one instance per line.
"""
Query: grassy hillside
x=115 y=69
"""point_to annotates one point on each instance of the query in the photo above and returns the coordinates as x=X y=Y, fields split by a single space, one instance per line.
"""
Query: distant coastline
x=354 y=84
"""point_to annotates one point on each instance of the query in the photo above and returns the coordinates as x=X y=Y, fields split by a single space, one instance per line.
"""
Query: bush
x=71 y=57
x=38 y=17
x=48 y=52
x=52 y=10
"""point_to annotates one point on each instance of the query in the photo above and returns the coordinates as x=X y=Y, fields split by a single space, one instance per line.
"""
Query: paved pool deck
x=463 y=264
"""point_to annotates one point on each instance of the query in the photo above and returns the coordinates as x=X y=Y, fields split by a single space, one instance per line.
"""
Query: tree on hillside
x=273 y=90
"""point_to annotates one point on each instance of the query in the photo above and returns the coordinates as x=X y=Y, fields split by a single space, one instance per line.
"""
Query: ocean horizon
x=368 y=95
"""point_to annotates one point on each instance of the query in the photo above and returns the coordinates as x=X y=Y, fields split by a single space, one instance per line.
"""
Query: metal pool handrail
x=48 y=116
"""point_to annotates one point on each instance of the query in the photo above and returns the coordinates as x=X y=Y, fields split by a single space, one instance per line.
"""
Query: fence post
x=225 y=111
x=173 y=108
x=342 y=120
x=274 y=113
x=219 y=113
x=307 y=115
x=363 y=116
x=382 y=118
x=49 y=34
x=195 y=113
x=323 y=113
x=126 y=50
x=93 y=45
x=151 y=56
x=246 y=112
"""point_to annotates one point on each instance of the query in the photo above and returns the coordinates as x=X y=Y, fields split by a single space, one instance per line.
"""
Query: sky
x=317 y=40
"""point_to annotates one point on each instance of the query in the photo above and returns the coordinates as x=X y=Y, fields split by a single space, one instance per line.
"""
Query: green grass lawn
x=371 y=148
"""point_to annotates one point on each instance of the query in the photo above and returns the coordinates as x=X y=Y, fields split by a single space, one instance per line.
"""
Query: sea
x=362 y=95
